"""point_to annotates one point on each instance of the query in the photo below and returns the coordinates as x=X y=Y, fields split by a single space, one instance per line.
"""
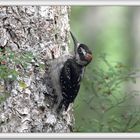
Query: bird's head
x=83 y=55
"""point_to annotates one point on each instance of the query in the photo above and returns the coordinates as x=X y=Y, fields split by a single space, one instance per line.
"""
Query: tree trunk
x=43 y=32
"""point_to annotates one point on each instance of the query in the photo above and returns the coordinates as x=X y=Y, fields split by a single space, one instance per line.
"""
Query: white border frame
x=70 y=135
x=71 y=2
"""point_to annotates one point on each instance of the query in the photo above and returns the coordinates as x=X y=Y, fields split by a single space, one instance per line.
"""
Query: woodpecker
x=72 y=72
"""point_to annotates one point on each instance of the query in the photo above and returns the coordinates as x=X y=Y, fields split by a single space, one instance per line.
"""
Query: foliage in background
x=107 y=107
x=105 y=102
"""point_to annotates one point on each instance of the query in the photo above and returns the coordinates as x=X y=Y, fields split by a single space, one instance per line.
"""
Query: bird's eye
x=79 y=50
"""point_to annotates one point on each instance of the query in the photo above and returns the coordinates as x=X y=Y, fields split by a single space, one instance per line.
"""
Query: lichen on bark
x=40 y=30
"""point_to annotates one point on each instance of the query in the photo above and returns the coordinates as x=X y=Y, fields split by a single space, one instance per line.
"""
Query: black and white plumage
x=72 y=72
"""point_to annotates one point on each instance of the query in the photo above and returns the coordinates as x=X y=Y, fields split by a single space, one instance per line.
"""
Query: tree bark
x=42 y=30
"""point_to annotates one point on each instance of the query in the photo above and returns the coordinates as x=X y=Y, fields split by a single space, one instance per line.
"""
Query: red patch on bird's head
x=88 y=57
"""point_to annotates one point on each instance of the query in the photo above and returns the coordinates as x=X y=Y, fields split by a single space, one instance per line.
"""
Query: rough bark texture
x=44 y=31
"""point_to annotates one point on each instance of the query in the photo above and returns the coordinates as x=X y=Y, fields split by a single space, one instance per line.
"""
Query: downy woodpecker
x=72 y=72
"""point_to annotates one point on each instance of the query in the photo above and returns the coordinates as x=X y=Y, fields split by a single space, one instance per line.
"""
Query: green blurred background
x=108 y=100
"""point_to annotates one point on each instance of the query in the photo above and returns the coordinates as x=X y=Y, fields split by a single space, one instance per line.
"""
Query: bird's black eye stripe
x=84 y=47
x=79 y=50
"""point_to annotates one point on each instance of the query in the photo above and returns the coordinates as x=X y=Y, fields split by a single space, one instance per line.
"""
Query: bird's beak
x=74 y=41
